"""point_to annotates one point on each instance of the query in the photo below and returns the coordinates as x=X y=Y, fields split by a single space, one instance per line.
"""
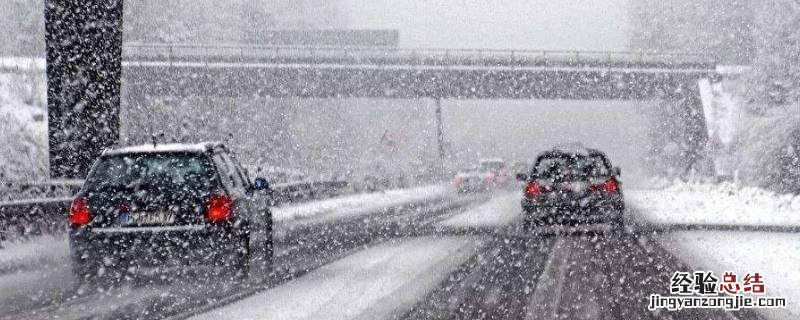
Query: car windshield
x=169 y=171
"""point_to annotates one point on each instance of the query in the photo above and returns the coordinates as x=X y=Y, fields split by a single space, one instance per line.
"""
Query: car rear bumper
x=154 y=246
x=600 y=210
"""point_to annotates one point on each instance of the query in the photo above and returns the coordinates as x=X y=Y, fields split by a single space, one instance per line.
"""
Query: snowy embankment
x=724 y=204
x=776 y=255
x=41 y=250
x=376 y=283
x=360 y=204
x=23 y=132
x=501 y=210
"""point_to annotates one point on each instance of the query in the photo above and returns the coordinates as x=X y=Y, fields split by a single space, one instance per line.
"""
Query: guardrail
x=307 y=190
x=33 y=217
x=393 y=55
x=22 y=218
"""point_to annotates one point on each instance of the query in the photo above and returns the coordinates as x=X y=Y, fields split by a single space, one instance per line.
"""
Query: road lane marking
x=547 y=295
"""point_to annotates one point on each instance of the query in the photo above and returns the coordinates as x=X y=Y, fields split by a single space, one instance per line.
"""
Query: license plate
x=147 y=218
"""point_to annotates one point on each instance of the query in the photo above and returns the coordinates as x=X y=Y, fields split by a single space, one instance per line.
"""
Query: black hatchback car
x=572 y=186
x=169 y=205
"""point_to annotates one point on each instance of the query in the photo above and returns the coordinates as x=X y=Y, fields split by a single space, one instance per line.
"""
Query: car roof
x=166 y=148
x=578 y=150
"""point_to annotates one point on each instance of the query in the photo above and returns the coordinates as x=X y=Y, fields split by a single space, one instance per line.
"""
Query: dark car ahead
x=169 y=205
x=572 y=187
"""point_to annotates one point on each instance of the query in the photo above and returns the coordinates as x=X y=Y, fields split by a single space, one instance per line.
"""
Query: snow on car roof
x=165 y=147
x=573 y=148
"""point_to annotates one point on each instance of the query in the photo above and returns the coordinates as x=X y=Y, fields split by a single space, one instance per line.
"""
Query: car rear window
x=570 y=166
x=168 y=171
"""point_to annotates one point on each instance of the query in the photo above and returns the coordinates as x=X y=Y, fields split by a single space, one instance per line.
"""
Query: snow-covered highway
x=422 y=253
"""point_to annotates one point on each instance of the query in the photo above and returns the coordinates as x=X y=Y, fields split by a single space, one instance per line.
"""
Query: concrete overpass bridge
x=182 y=70
x=87 y=64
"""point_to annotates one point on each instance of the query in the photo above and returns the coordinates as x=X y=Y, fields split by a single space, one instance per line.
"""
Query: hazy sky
x=520 y=129
x=530 y=24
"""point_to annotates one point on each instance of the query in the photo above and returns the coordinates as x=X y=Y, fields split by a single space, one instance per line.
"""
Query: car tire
x=531 y=223
x=618 y=225
x=527 y=225
x=94 y=274
x=85 y=272
x=241 y=267
x=269 y=249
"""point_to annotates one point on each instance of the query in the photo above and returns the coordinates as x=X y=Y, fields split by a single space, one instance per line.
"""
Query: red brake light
x=532 y=189
x=218 y=208
x=610 y=185
x=79 y=214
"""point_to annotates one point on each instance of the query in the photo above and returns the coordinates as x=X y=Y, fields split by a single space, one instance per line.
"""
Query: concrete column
x=84 y=65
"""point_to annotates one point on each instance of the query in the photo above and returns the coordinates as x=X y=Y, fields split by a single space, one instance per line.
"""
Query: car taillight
x=218 y=208
x=79 y=214
x=610 y=185
x=533 y=189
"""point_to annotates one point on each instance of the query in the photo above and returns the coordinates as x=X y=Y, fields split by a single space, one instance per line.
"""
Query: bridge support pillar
x=694 y=139
x=84 y=65
x=440 y=134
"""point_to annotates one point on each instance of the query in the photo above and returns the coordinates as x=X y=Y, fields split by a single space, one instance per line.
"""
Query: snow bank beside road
x=376 y=283
x=499 y=211
x=715 y=204
x=37 y=251
x=360 y=203
x=775 y=255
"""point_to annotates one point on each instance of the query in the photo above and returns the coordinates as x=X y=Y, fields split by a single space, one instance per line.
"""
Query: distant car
x=498 y=167
x=168 y=205
x=473 y=180
x=576 y=186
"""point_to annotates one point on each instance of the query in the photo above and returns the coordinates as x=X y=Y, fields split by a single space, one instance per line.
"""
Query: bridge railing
x=415 y=56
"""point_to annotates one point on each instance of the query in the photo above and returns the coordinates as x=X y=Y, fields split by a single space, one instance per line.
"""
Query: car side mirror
x=616 y=171
x=260 y=184
x=522 y=177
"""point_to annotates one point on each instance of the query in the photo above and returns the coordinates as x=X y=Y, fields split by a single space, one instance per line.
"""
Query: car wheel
x=94 y=273
x=241 y=266
x=617 y=225
x=269 y=252
x=269 y=248
x=530 y=223
x=527 y=225
x=84 y=271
